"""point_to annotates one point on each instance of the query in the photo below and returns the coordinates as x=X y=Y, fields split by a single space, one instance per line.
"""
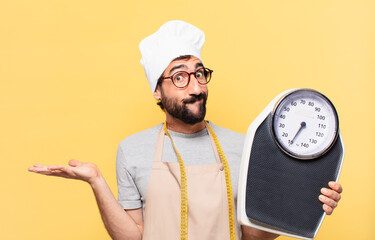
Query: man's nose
x=194 y=86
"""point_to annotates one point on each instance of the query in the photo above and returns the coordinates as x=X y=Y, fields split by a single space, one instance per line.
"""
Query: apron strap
x=216 y=151
x=228 y=183
x=159 y=146
x=183 y=187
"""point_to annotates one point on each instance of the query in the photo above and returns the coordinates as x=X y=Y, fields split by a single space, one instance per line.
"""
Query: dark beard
x=180 y=111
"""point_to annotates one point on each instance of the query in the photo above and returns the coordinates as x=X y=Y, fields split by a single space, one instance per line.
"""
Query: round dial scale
x=294 y=141
x=305 y=124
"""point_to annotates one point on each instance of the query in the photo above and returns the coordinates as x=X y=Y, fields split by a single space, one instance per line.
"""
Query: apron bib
x=208 y=212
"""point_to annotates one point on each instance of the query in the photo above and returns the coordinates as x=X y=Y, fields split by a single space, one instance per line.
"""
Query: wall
x=71 y=86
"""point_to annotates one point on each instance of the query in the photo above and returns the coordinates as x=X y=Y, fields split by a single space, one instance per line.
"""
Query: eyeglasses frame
x=187 y=84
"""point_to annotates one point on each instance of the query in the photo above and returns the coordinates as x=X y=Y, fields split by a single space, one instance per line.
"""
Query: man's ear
x=157 y=94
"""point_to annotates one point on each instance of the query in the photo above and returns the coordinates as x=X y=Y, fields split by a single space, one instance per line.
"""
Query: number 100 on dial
x=305 y=124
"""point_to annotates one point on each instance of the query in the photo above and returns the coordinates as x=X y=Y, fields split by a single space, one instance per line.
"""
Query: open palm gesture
x=76 y=170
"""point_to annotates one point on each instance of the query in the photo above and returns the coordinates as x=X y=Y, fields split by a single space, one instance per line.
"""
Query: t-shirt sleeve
x=128 y=194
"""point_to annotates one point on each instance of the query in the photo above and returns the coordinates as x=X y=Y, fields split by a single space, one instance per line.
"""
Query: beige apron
x=207 y=200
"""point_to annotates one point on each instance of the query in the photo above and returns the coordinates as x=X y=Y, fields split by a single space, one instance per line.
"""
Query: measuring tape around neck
x=183 y=180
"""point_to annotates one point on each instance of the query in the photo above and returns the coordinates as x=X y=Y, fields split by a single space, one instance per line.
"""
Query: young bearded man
x=174 y=180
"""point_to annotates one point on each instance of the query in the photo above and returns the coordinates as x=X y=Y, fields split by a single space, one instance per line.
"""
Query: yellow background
x=71 y=86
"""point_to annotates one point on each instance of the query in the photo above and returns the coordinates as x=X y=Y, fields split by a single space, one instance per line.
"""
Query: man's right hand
x=88 y=172
x=120 y=224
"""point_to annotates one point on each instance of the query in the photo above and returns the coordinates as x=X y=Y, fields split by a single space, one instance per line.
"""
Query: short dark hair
x=160 y=79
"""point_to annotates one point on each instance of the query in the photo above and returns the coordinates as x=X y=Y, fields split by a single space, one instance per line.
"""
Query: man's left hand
x=330 y=197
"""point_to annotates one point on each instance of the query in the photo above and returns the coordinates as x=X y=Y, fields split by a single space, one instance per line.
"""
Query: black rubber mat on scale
x=282 y=192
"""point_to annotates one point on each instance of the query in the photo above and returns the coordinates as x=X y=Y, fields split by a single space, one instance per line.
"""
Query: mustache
x=194 y=98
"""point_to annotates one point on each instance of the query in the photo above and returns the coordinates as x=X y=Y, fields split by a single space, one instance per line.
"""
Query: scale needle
x=303 y=124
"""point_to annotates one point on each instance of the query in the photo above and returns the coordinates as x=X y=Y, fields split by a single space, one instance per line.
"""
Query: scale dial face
x=305 y=124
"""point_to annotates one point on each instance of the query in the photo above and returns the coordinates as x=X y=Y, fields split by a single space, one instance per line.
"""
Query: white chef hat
x=173 y=39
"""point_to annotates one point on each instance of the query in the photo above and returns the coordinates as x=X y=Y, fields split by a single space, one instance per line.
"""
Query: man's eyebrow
x=198 y=65
x=177 y=67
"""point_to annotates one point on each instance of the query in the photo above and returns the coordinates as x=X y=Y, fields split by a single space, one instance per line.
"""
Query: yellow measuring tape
x=184 y=196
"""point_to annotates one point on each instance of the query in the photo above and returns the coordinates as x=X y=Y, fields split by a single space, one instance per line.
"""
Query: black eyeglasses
x=181 y=79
